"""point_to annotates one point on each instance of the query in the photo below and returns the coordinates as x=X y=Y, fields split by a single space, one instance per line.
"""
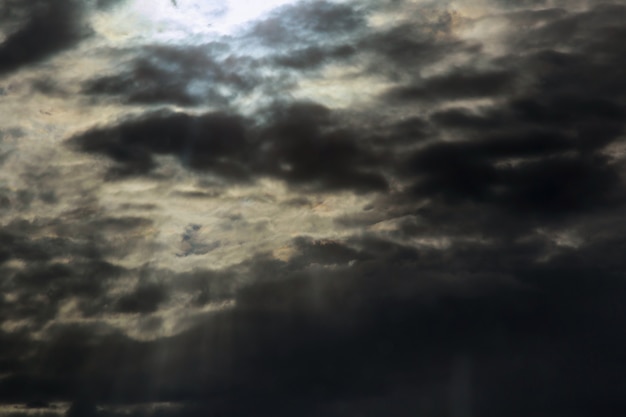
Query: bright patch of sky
x=185 y=21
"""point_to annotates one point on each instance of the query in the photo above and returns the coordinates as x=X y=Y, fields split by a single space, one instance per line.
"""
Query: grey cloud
x=201 y=143
x=368 y=323
x=459 y=85
x=108 y=4
x=307 y=21
x=314 y=57
x=197 y=75
x=484 y=276
x=185 y=76
x=535 y=152
x=144 y=299
x=401 y=51
x=47 y=27
x=325 y=252
x=62 y=260
x=551 y=184
x=42 y=289
x=14 y=344
x=208 y=286
x=322 y=155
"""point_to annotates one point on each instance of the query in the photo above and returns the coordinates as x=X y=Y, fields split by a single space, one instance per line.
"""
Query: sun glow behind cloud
x=189 y=20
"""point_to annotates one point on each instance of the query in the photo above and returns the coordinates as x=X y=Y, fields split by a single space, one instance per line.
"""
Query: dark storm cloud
x=45 y=28
x=208 y=286
x=386 y=323
x=189 y=75
x=13 y=346
x=42 y=288
x=459 y=85
x=27 y=240
x=304 y=144
x=552 y=184
x=495 y=287
x=403 y=320
x=47 y=263
x=540 y=149
x=144 y=299
x=64 y=259
x=314 y=57
x=214 y=142
x=300 y=143
x=325 y=252
x=401 y=51
x=16 y=245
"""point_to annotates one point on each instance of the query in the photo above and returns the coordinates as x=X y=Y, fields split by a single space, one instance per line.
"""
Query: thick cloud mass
x=299 y=143
x=179 y=75
x=398 y=208
x=45 y=28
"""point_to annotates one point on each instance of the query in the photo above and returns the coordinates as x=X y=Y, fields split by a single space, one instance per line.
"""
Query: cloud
x=186 y=76
x=536 y=150
x=459 y=85
x=213 y=141
x=314 y=57
x=400 y=52
x=323 y=152
x=54 y=265
x=353 y=324
x=145 y=299
x=549 y=184
x=448 y=240
x=46 y=28
x=108 y=4
x=321 y=155
x=305 y=21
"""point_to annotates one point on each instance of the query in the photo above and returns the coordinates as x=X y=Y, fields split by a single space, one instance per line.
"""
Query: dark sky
x=312 y=208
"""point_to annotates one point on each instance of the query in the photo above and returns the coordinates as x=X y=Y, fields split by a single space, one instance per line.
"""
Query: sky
x=312 y=208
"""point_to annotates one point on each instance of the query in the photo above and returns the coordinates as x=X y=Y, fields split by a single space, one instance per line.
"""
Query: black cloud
x=314 y=57
x=298 y=142
x=200 y=142
x=462 y=84
x=364 y=331
x=553 y=183
x=540 y=149
x=47 y=27
x=303 y=144
x=484 y=274
x=144 y=299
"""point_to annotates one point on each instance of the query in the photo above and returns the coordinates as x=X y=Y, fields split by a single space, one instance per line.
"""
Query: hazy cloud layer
x=328 y=208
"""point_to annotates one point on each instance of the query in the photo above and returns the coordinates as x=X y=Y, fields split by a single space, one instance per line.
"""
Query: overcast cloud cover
x=312 y=208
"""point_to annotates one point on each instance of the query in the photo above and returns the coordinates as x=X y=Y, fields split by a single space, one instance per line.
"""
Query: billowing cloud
x=179 y=75
x=297 y=142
